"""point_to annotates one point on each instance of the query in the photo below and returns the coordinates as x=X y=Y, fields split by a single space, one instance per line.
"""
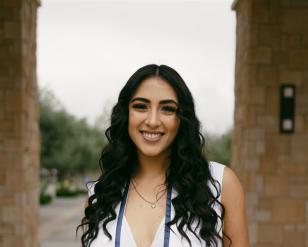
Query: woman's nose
x=153 y=118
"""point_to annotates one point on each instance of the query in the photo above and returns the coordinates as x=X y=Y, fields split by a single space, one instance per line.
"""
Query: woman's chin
x=151 y=152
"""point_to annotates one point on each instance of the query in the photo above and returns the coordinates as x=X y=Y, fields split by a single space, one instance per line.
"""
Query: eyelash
x=139 y=106
x=164 y=108
x=169 y=109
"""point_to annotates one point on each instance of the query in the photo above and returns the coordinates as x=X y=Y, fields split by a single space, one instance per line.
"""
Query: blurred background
x=87 y=50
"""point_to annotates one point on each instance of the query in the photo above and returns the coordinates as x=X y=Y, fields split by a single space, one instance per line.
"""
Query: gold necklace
x=153 y=204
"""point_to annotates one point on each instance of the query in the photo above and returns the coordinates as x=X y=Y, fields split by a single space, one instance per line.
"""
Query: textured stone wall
x=272 y=49
x=19 y=132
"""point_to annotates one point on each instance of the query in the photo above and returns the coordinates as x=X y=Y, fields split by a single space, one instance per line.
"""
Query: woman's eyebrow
x=139 y=99
x=162 y=102
x=168 y=101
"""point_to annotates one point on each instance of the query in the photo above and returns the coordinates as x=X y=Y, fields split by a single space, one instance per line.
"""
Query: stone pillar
x=271 y=50
x=19 y=129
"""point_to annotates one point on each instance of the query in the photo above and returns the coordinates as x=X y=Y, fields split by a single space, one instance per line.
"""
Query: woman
x=157 y=188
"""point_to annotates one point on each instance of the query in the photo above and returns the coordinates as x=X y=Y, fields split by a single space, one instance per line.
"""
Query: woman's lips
x=152 y=136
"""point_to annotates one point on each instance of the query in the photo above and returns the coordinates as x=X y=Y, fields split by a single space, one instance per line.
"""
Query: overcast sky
x=88 y=49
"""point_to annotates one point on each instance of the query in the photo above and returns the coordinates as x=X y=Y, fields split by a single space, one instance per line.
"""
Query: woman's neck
x=151 y=168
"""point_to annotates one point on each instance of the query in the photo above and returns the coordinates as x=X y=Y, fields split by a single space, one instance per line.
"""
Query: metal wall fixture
x=287 y=108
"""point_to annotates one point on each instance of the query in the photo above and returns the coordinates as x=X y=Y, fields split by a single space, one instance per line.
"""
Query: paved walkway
x=58 y=222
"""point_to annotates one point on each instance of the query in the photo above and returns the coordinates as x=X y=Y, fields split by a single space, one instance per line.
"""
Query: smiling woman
x=157 y=187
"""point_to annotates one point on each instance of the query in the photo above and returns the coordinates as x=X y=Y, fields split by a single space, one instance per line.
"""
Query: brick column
x=19 y=129
x=271 y=50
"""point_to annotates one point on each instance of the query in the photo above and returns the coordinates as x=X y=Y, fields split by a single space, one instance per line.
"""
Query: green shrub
x=64 y=191
x=45 y=199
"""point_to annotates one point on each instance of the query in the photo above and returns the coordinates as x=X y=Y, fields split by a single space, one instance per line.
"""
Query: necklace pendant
x=153 y=205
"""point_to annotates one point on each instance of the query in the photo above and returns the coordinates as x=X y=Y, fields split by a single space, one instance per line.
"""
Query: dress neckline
x=155 y=239
x=158 y=230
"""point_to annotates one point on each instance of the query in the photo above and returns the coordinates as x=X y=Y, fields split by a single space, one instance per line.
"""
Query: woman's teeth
x=151 y=136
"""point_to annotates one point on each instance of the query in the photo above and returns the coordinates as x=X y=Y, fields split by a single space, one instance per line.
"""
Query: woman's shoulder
x=233 y=199
x=215 y=166
x=232 y=188
x=226 y=177
x=217 y=170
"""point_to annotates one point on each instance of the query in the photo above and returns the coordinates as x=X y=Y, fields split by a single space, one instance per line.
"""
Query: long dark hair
x=188 y=172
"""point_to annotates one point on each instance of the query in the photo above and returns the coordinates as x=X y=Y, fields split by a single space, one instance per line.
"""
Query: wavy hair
x=188 y=172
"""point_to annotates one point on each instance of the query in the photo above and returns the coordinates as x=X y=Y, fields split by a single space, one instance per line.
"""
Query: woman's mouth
x=152 y=136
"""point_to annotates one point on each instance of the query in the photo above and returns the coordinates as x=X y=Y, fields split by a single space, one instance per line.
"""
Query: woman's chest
x=153 y=227
x=176 y=240
x=144 y=219
x=127 y=238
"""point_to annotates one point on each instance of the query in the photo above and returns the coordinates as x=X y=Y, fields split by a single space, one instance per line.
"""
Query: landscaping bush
x=66 y=188
x=45 y=199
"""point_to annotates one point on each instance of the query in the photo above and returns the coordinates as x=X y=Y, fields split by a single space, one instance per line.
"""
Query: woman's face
x=153 y=122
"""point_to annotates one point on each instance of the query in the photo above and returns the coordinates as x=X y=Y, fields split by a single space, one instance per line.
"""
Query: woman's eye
x=140 y=106
x=169 y=109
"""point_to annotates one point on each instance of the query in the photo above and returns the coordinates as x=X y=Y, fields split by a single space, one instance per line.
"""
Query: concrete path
x=58 y=222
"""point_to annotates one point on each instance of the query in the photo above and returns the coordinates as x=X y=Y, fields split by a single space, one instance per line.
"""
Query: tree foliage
x=218 y=147
x=68 y=144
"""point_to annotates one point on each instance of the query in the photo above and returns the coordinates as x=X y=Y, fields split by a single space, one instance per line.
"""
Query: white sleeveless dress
x=176 y=240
